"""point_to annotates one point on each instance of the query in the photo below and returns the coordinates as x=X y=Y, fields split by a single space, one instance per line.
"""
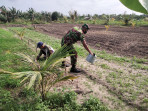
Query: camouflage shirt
x=72 y=36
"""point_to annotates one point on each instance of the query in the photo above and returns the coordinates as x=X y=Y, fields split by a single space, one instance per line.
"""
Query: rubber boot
x=74 y=70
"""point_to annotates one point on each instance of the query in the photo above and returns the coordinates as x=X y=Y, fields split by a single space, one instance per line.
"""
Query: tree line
x=12 y=14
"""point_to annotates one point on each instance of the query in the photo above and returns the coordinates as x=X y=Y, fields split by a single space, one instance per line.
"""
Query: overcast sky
x=64 y=6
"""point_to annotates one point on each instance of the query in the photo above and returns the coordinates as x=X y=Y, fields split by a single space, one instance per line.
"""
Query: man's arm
x=37 y=58
x=51 y=51
x=86 y=47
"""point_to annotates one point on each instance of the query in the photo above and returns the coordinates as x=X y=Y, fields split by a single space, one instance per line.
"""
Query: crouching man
x=44 y=49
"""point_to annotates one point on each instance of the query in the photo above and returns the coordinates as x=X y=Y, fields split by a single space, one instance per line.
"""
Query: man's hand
x=91 y=53
x=86 y=47
x=38 y=65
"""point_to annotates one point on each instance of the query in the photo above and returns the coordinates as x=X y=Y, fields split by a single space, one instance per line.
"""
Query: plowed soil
x=126 y=41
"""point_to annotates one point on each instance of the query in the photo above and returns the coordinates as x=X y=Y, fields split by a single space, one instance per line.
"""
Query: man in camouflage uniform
x=72 y=36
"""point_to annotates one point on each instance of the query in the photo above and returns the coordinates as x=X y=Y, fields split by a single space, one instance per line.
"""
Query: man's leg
x=64 y=62
x=74 y=60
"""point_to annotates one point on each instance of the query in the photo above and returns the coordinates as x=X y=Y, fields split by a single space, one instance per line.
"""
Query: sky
x=64 y=6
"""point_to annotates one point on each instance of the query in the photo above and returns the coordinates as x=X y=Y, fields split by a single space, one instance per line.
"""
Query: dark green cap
x=85 y=26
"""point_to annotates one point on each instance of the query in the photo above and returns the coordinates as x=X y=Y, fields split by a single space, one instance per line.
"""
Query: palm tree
x=43 y=76
x=3 y=10
x=19 y=14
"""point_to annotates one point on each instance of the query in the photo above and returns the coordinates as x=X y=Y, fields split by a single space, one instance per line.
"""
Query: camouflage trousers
x=74 y=56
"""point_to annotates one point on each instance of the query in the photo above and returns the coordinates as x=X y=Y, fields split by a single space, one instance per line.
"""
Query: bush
x=20 y=21
x=37 y=22
x=54 y=100
x=3 y=18
x=66 y=101
x=55 y=16
x=93 y=104
x=126 y=21
x=29 y=102
x=7 y=102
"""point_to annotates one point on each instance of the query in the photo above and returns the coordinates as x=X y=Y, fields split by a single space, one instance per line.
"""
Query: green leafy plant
x=31 y=14
x=126 y=21
x=93 y=104
x=42 y=76
x=107 y=27
x=136 y=5
x=65 y=19
x=59 y=99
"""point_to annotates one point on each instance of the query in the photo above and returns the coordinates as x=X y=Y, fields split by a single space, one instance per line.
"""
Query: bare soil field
x=127 y=41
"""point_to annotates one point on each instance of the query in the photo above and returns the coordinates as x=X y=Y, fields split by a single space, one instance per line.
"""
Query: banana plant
x=13 y=13
x=3 y=11
x=31 y=13
x=43 y=76
x=5 y=14
x=136 y=5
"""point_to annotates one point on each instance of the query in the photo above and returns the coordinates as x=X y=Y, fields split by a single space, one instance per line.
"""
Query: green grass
x=8 y=47
x=105 y=66
x=11 y=62
x=11 y=94
x=117 y=77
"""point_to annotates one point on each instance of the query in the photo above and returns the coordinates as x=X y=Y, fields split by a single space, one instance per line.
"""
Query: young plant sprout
x=107 y=27
x=133 y=24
